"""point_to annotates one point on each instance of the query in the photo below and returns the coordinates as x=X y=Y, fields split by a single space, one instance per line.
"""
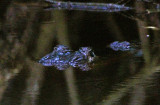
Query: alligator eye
x=46 y=57
x=91 y=54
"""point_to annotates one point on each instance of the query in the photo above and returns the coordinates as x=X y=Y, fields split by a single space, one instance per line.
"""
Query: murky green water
x=28 y=32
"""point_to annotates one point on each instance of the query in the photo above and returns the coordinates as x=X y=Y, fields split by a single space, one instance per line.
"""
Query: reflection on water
x=117 y=77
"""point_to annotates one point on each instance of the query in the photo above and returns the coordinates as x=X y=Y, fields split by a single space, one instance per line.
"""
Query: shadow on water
x=126 y=44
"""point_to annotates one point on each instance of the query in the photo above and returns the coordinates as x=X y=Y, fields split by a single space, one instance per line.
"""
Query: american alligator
x=126 y=46
x=62 y=57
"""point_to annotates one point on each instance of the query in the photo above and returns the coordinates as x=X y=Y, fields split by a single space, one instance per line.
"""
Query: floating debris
x=62 y=57
x=105 y=7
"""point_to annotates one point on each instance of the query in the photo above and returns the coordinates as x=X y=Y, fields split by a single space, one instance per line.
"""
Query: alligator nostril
x=40 y=61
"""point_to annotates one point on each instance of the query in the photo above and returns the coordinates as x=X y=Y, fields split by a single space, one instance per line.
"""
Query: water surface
x=29 y=32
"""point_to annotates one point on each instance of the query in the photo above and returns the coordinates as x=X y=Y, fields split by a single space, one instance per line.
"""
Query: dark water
x=28 y=32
